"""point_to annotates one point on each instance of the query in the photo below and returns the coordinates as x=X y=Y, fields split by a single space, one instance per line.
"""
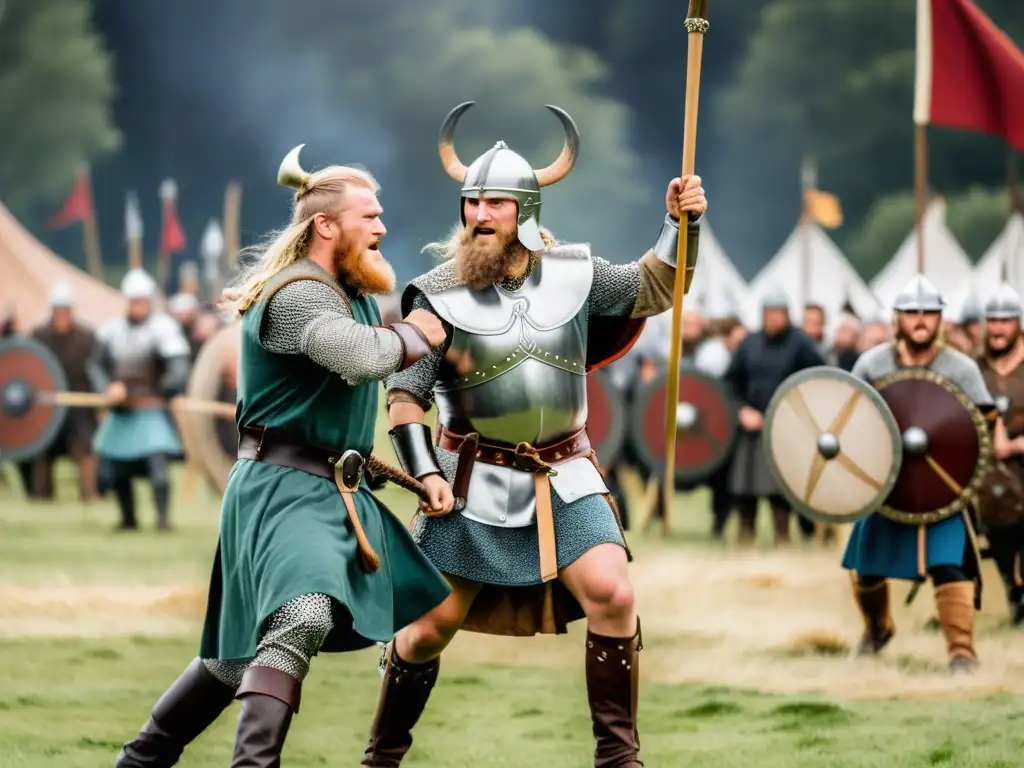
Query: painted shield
x=211 y=441
x=28 y=428
x=606 y=418
x=946 y=447
x=706 y=425
x=832 y=445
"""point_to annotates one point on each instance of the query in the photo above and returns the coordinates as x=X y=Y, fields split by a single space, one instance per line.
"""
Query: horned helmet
x=501 y=172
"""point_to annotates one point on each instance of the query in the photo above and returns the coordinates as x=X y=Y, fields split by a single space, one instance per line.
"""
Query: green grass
x=70 y=701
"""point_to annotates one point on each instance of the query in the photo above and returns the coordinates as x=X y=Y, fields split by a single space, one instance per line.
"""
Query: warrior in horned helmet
x=520 y=520
x=308 y=560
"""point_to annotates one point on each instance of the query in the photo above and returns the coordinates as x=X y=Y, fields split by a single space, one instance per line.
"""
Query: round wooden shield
x=606 y=418
x=28 y=427
x=706 y=425
x=831 y=444
x=206 y=437
x=946 y=447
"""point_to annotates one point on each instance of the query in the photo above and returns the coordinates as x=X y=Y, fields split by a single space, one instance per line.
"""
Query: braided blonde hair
x=320 y=192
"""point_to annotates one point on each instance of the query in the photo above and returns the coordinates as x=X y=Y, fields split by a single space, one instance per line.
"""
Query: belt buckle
x=352 y=466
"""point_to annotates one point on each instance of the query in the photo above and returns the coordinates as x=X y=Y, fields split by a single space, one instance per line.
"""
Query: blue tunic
x=136 y=435
x=882 y=547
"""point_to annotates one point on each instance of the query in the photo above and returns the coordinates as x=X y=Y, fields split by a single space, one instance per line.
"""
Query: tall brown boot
x=184 y=711
x=613 y=678
x=269 y=699
x=878 y=624
x=955 y=603
x=403 y=697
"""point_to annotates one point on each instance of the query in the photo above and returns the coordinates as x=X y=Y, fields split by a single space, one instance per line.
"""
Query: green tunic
x=286 y=533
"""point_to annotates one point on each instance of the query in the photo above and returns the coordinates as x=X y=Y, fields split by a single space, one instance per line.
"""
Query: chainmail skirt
x=511 y=556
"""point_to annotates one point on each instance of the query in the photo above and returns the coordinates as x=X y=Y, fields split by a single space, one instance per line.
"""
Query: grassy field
x=744 y=661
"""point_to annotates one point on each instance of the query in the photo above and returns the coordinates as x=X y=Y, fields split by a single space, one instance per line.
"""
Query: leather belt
x=345 y=468
x=527 y=458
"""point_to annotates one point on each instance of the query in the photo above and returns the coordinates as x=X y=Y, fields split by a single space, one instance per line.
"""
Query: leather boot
x=87 y=490
x=878 y=624
x=613 y=677
x=184 y=711
x=403 y=697
x=955 y=603
x=747 y=513
x=269 y=699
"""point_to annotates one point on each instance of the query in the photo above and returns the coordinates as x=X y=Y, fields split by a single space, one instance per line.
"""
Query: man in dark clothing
x=73 y=344
x=762 y=362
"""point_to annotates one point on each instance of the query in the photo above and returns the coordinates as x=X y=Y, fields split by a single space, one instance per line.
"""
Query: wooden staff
x=696 y=25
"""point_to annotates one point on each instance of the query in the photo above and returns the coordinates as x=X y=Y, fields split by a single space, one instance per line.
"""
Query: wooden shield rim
x=198 y=430
x=606 y=456
x=970 y=491
x=656 y=464
x=830 y=372
x=59 y=413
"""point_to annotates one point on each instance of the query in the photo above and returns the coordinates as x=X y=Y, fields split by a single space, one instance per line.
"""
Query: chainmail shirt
x=307 y=318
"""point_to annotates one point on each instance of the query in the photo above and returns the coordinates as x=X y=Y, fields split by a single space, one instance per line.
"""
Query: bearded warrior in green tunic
x=308 y=560
x=520 y=519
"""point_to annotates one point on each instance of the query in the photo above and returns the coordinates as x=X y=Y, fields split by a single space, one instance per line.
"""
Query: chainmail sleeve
x=308 y=318
x=615 y=288
x=416 y=383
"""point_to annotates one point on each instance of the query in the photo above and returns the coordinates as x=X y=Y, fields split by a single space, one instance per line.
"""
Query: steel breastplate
x=134 y=357
x=516 y=367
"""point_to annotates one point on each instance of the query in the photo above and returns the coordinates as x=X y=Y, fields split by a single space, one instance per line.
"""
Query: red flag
x=78 y=205
x=970 y=74
x=172 y=236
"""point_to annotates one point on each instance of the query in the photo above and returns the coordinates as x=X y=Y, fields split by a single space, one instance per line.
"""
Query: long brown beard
x=367 y=272
x=478 y=265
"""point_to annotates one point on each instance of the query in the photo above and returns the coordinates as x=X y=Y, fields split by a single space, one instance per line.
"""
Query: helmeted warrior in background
x=142 y=359
x=74 y=345
x=521 y=520
x=308 y=560
x=880 y=549
x=1001 y=502
x=762 y=362
x=971 y=317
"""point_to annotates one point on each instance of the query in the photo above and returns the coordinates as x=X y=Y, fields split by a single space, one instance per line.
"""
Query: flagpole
x=807 y=182
x=91 y=236
x=920 y=188
x=1013 y=192
x=232 y=227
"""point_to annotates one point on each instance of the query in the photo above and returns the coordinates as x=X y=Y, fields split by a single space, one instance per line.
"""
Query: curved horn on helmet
x=446 y=143
x=565 y=161
x=291 y=174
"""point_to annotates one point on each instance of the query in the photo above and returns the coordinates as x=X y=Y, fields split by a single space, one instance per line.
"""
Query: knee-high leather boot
x=269 y=699
x=879 y=628
x=613 y=677
x=184 y=711
x=403 y=697
x=955 y=603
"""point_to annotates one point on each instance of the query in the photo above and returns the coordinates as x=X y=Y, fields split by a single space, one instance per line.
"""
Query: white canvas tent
x=717 y=285
x=945 y=263
x=832 y=279
x=1007 y=248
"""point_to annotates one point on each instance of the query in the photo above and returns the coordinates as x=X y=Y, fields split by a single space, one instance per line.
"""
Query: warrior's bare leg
x=412 y=662
x=599 y=580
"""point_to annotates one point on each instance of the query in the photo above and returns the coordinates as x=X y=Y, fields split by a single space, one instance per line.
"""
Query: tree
x=438 y=59
x=56 y=90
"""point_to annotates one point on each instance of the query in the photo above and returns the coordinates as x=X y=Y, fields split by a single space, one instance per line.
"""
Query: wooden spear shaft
x=696 y=25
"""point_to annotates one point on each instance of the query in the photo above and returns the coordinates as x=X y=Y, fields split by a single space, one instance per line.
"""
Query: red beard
x=367 y=272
